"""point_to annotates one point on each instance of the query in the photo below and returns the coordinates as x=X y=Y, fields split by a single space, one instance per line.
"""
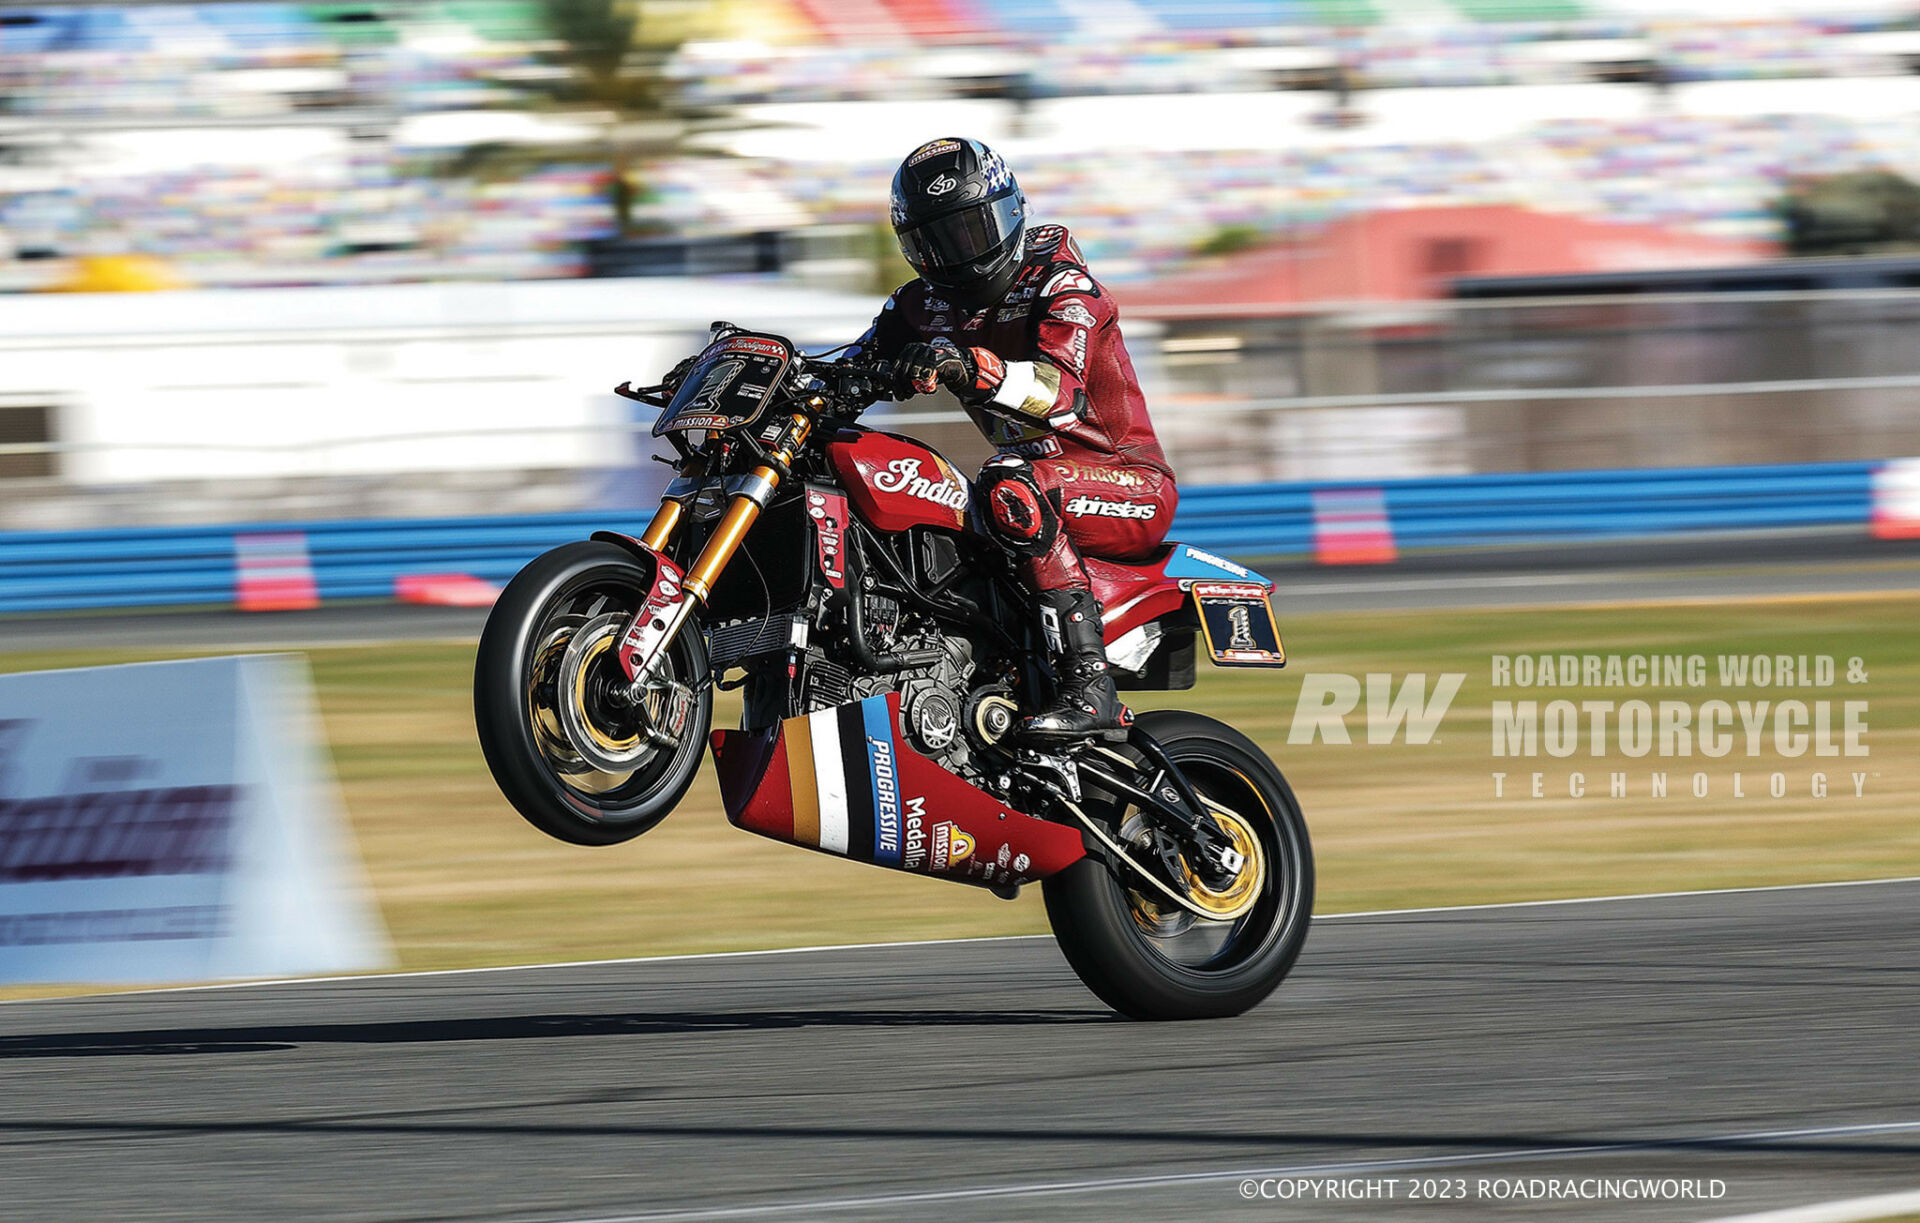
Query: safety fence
x=456 y=559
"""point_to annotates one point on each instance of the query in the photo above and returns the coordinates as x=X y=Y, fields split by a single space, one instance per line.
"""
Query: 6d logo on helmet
x=942 y=185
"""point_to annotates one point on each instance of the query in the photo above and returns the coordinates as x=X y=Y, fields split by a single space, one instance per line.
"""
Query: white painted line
x=1596 y=900
x=893 y=1201
x=493 y=968
x=936 y=942
x=1845 y=1210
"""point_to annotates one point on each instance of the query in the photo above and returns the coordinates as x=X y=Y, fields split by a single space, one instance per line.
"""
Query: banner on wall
x=175 y=822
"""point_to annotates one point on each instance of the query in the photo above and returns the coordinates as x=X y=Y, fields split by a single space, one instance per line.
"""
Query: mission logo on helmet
x=933 y=148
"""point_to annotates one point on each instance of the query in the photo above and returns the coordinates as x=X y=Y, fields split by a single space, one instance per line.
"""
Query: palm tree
x=615 y=60
x=595 y=38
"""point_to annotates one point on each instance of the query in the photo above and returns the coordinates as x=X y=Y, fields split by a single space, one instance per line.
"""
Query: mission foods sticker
x=932 y=148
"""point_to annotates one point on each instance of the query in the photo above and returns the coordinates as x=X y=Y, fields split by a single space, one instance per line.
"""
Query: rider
x=1009 y=319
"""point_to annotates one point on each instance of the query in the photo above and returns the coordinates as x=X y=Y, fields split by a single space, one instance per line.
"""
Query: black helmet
x=960 y=218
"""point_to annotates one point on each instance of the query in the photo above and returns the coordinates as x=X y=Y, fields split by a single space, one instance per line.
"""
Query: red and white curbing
x=1896 y=499
x=272 y=572
x=445 y=590
x=1351 y=527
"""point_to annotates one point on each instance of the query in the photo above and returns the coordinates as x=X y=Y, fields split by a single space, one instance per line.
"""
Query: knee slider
x=1018 y=513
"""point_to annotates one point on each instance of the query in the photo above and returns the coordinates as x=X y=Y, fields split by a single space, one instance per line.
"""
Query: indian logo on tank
x=903 y=476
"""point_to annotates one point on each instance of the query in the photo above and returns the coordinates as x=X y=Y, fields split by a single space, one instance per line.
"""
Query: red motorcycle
x=884 y=652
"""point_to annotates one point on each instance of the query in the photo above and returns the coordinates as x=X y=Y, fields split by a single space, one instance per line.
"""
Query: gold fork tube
x=742 y=512
x=667 y=519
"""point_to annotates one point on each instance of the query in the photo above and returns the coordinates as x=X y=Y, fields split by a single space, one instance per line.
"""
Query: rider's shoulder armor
x=1053 y=244
x=1054 y=267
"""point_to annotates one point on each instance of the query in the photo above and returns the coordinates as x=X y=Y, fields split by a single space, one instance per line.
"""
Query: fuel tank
x=845 y=781
x=896 y=483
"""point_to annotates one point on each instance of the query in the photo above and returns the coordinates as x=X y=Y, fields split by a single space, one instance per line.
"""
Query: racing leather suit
x=1079 y=469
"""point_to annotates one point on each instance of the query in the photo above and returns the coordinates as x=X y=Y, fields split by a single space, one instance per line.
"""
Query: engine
x=787 y=629
x=938 y=700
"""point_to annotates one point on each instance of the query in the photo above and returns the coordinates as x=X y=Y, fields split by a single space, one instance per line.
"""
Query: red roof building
x=1412 y=255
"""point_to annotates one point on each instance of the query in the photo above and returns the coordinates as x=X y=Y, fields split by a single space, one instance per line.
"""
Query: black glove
x=678 y=374
x=921 y=369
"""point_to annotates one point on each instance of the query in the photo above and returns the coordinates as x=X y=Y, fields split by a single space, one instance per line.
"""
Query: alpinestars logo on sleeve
x=1068 y=280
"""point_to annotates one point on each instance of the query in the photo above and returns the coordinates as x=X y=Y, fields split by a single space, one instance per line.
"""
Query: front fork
x=675 y=595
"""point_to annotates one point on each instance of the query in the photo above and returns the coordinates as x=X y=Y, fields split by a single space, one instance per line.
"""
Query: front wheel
x=575 y=750
x=1149 y=958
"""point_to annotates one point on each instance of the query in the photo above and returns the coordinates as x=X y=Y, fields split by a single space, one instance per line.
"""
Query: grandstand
x=248 y=142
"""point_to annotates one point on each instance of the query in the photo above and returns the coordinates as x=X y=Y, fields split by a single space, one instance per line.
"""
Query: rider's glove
x=678 y=374
x=972 y=374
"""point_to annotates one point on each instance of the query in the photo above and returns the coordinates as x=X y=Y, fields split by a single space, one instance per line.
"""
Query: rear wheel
x=571 y=746
x=1150 y=958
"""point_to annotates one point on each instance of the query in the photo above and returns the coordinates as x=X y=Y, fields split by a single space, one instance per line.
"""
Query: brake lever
x=650 y=395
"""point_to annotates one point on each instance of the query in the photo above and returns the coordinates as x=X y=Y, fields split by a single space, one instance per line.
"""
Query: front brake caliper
x=675 y=702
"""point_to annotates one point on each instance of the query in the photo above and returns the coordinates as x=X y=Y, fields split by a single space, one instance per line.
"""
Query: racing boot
x=1085 y=702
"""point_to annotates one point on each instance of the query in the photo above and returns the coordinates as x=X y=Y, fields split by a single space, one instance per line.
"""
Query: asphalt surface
x=1764 y=1039
x=1595 y=574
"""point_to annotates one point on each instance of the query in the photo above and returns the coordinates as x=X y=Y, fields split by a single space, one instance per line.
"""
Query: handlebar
x=859 y=382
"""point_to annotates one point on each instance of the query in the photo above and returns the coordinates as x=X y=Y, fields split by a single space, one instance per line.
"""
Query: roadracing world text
x=1743 y=720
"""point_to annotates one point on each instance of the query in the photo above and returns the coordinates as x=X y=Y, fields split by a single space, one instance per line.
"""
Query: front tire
x=1149 y=959
x=529 y=721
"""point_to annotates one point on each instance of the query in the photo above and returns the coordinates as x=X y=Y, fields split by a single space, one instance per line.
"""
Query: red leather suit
x=1080 y=469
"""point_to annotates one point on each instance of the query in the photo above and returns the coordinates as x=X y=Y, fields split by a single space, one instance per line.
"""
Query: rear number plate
x=1237 y=621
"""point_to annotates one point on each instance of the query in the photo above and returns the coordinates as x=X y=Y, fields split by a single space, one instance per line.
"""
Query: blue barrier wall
x=1266 y=520
x=155 y=566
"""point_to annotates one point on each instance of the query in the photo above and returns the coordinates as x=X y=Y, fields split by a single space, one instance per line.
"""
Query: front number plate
x=1237 y=621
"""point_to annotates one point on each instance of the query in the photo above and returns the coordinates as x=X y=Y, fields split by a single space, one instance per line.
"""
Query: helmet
x=961 y=219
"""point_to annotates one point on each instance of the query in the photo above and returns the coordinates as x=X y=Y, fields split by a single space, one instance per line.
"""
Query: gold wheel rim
x=1253 y=868
x=600 y=738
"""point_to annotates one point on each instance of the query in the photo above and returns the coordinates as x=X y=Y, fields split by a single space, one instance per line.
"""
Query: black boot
x=1085 y=702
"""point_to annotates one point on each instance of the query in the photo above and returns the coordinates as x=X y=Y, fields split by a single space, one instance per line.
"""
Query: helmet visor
x=963 y=237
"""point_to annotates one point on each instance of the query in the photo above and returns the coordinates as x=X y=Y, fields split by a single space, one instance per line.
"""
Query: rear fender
x=1190 y=592
x=1137 y=594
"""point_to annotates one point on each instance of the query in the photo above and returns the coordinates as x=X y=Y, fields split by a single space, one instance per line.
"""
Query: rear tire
x=558 y=593
x=1097 y=915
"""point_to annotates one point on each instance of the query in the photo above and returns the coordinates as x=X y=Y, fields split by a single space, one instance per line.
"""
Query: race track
x=1769 y=1039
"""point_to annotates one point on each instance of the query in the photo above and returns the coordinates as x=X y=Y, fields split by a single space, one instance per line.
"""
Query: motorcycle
x=884 y=650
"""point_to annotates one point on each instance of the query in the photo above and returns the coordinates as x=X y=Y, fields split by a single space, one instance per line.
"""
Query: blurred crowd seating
x=1139 y=212
x=375 y=206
